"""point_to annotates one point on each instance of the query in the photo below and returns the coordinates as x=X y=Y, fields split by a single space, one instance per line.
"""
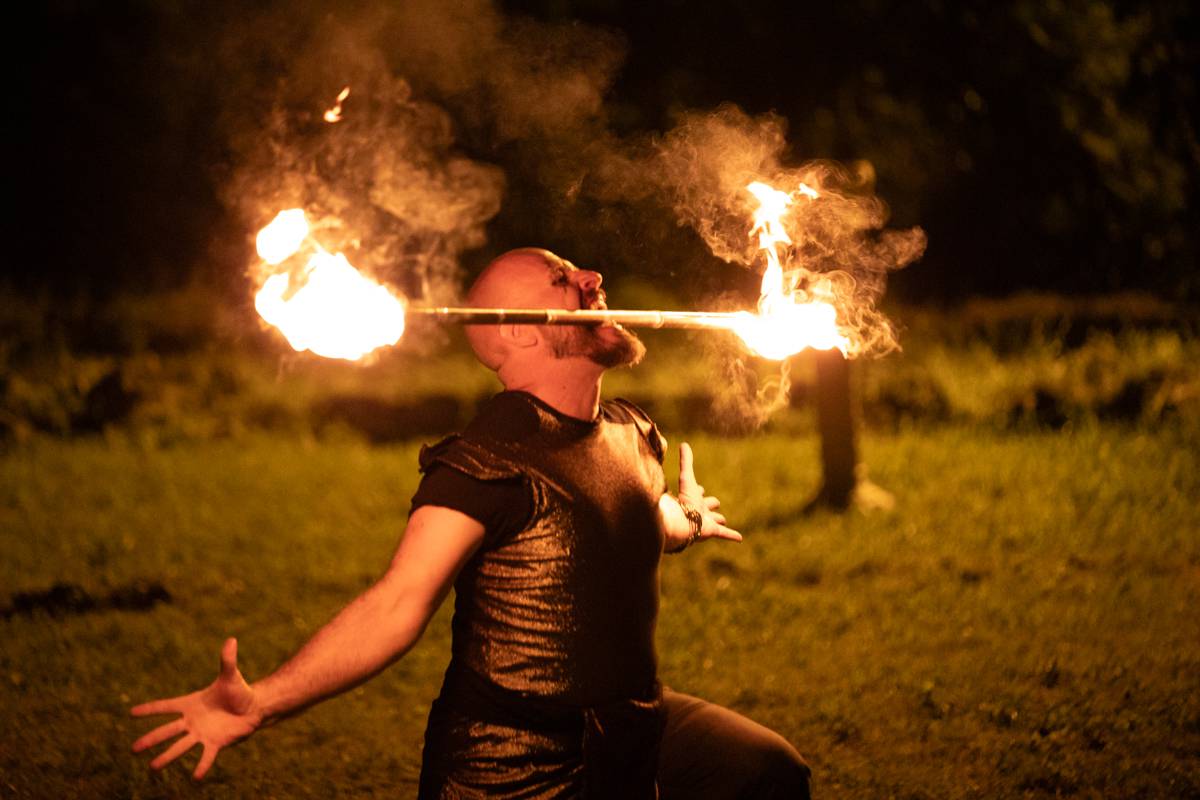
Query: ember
x=335 y=114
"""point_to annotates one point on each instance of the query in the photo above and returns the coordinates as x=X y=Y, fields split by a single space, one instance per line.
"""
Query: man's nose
x=587 y=280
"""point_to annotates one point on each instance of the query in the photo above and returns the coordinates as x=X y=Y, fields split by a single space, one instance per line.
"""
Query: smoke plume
x=702 y=168
x=386 y=183
x=403 y=183
x=453 y=103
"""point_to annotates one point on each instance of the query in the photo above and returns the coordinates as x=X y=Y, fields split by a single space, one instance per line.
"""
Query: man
x=548 y=515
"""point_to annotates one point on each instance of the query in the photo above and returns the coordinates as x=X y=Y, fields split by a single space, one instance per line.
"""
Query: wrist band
x=695 y=519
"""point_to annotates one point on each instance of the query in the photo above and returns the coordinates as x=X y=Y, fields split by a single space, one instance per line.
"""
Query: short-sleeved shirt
x=560 y=598
x=552 y=657
x=502 y=506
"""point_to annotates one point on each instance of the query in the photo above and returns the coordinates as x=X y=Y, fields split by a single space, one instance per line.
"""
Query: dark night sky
x=1040 y=147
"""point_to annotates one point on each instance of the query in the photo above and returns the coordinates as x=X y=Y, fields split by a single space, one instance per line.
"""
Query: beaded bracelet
x=696 y=519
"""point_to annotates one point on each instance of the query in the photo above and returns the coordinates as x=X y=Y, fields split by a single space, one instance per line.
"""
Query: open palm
x=692 y=493
x=214 y=717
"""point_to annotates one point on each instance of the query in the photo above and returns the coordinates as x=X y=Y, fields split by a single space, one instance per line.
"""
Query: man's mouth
x=601 y=305
x=598 y=301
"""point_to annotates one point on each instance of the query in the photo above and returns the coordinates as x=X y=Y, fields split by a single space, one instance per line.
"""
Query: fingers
x=229 y=658
x=687 y=473
x=168 y=706
x=729 y=534
x=160 y=734
x=206 y=761
x=690 y=487
x=181 y=746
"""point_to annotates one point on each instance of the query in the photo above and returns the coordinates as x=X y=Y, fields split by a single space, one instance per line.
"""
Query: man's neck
x=571 y=386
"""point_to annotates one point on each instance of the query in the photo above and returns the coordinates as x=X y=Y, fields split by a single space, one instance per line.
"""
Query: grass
x=1022 y=624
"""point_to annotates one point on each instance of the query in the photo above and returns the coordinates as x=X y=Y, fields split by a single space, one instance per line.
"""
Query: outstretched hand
x=214 y=717
x=691 y=495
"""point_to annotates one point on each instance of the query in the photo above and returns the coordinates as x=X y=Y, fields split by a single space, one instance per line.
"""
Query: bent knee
x=785 y=773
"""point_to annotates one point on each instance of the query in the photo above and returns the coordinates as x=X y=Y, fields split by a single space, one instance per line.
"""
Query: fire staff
x=548 y=515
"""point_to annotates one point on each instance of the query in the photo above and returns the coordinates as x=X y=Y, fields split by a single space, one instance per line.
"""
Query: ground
x=1022 y=624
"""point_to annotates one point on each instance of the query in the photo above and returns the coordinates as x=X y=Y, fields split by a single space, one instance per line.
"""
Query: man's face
x=608 y=345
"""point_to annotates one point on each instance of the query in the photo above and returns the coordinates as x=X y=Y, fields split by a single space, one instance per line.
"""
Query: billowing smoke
x=703 y=166
x=391 y=183
x=506 y=79
x=385 y=184
x=431 y=82
x=839 y=244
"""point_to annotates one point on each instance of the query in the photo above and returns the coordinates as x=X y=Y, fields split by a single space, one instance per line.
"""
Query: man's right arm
x=370 y=633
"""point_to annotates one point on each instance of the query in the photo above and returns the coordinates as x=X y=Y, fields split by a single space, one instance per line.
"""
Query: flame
x=327 y=307
x=788 y=320
x=282 y=236
x=335 y=114
x=808 y=191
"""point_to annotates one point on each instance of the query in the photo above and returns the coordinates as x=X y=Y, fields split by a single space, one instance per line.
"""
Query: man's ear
x=520 y=335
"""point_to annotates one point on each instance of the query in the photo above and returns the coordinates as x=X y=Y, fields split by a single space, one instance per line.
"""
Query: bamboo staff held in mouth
x=694 y=320
x=549 y=515
x=329 y=307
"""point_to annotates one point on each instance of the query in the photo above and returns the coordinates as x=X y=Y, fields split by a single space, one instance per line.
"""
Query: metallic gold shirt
x=565 y=608
x=551 y=690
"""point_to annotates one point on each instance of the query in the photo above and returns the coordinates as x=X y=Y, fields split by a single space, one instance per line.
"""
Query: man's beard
x=578 y=341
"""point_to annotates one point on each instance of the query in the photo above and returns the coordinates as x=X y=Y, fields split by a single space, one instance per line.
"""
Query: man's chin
x=617 y=347
x=607 y=347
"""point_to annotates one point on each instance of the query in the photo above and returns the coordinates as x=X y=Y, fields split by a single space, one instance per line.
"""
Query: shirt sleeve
x=502 y=506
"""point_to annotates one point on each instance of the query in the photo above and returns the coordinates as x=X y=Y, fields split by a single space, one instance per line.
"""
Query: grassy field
x=1022 y=624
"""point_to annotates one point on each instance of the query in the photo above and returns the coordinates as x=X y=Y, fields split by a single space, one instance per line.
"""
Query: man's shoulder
x=483 y=448
x=473 y=458
x=625 y=411
x=622 y=410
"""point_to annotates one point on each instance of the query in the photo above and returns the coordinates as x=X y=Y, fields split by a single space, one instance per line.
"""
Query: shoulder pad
x=626 y=409
x=468 y=457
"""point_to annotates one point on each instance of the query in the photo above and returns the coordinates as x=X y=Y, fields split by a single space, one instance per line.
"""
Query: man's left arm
x=690 y=515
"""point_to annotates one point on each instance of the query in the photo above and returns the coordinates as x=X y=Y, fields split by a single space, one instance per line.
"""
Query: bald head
x=508 y=280
x=522 y=278
x=536 y=278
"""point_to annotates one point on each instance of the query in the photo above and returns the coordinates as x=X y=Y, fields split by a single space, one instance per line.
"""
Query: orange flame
x=327 y=307
x=788 y=320
x=282 y=236
x=335 y=114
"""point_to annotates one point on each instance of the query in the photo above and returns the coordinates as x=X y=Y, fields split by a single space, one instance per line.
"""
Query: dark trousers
x=497 y=748
x=708 y=751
